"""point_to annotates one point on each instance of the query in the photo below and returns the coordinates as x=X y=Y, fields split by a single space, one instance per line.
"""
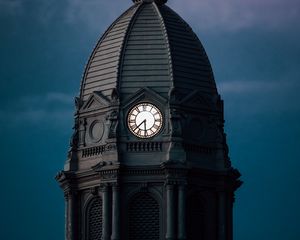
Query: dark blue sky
x=255 y=53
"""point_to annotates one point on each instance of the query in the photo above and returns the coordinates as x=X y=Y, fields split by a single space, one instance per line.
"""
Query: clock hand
x=139 y=125
x=145 y=124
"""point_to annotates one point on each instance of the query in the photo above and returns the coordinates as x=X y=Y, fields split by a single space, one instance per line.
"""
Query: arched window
x=94 y=219
x=195 y=218
x=143 y=218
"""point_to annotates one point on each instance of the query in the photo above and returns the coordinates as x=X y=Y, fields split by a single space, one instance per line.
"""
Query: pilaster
x=171 y=232
x=115 y=212
x=106 y=212
x=71 y=215
x=222 y=209
x=181 y=220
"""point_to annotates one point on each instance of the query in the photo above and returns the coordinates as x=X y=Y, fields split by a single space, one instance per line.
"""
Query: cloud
x=242 y=87
x=52 y=110
x=257 y=97
x=214 y=15
x=94 y=13
x=47 y=99
x=239 y=14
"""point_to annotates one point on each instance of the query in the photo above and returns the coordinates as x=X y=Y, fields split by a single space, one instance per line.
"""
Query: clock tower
x=148 y=158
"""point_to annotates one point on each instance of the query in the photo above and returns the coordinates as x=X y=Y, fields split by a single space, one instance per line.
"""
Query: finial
x=160 y=2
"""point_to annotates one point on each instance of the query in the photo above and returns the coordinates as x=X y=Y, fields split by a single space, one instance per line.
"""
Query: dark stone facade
x=176 y=185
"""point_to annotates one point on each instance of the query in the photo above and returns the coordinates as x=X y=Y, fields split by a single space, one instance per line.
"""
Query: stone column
x=71 y=212
x=106 y=214
x=115 y=213
x=222 y=215
x=66 y=216
x=170 y=234
x=230 y=202
x=182 y=212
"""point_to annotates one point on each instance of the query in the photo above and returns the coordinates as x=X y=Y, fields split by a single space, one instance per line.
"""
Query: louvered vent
x=143 y=218
x=94 y=223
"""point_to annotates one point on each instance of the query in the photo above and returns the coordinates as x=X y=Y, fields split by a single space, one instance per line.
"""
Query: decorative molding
x=104 y=187
x=109 y=175
x=95 y=101
x=114 y=96
x=64 y=176
x=170 y=184
x=78 y=103
x=198 y=148
x=144 y=94
x=112 y=121
x=96 y=125
x=175 y=96
x=176 y=123
x=98 y=150
x=159 y=2
x=198 y=99
x=144 y=146
x=104 y=166
x=94 y=191
x=68 y=183
x=74 y=141
x=82 y=131
x=143 y=171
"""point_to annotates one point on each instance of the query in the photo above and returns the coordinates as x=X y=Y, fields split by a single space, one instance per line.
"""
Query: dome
x=151 y=46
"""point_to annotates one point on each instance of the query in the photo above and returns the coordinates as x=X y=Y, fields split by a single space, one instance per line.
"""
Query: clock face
x=145 y=120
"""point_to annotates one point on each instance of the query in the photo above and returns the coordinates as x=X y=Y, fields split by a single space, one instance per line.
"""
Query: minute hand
x=140 y=124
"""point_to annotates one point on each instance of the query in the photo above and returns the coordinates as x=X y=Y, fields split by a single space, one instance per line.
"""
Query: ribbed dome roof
x=148 y=46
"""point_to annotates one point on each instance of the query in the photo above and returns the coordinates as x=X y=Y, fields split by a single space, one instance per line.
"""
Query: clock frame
x=144 y=120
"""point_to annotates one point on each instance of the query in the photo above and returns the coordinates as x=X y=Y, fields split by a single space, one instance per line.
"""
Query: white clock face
x=144 y=120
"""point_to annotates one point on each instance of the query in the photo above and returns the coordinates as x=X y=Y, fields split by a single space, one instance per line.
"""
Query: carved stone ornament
x=108 y=176
x=112 y=122
x=159 y=2
x=145 y=94
x=114 y=95
x=78 y=103
x=94 y=190
x=216 y=126
x=96 y=131
x=175 y=96
x=60 y=176
x=74 y=139
x=82 y=131
x=176 y=126
x=95 y=101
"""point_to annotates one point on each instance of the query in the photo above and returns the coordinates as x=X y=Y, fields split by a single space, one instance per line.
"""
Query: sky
x=254 y=49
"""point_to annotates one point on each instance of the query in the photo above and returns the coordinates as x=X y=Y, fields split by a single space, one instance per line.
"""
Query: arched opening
x=143 y=218
x=94 y=219
x=195 y=218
